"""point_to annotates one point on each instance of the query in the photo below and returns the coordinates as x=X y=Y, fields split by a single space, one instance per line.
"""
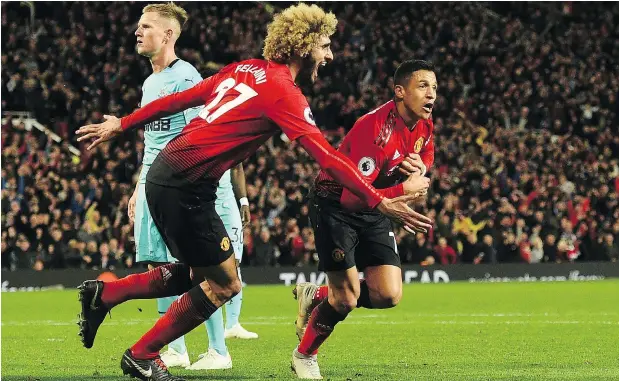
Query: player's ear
x=168 y=36
x=399 y=91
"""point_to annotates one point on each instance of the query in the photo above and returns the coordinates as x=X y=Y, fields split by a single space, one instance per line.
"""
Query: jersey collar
x=400 y=121
x=173 y=63
x=283 y=67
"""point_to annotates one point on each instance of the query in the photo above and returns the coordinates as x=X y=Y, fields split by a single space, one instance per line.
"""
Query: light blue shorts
x=149 y=245
x=230 y=215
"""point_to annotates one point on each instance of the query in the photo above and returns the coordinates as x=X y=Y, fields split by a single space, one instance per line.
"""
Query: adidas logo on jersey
x=166 y=274
x=396 y=154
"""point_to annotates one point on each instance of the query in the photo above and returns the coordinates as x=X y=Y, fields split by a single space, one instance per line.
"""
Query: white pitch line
x=270 y=320
x=444 y=315
x=48 y=323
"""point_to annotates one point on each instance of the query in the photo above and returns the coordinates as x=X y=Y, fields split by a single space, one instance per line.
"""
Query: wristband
x=244 y=201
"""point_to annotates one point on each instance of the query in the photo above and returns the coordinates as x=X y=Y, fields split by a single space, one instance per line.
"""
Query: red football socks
x=322 y=322
x=321 y=294
x=364 y=297
x=185 y=314
x=168 y=280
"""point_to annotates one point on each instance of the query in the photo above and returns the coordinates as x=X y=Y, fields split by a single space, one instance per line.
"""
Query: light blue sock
x=215 y=330
x=162 y=306
x=233 y=308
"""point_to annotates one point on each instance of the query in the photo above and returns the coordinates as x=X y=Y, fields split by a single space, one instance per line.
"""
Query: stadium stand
x=527 y=128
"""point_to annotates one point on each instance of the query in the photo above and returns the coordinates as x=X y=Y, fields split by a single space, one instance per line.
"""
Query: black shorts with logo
x=187 y=221
x=347 y=239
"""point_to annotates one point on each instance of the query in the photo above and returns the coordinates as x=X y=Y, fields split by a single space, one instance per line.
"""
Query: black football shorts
x=346 y=239
x=188 y=223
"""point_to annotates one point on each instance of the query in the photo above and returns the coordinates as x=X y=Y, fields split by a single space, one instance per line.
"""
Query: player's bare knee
x=235 y=287
x=392 y=300
x=228 y=291
x=344 y=304
x=388 y=300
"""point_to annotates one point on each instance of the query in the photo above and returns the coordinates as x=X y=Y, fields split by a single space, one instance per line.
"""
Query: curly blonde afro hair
x=296 y=31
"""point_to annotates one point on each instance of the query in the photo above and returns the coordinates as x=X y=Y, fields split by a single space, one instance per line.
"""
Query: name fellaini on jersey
x=259 y=74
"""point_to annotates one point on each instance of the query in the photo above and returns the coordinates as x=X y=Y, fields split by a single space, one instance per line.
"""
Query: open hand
x=100 y=132
x=245 y=215
x=397 y=209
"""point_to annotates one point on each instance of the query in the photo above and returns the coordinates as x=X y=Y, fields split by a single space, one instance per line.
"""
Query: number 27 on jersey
x=245 y=94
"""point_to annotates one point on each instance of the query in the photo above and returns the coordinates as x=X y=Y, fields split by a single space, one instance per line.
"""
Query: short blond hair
x=296 y=31
x=169 y=11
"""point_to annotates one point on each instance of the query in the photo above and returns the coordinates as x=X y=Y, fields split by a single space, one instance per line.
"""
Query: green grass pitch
x=457 y=331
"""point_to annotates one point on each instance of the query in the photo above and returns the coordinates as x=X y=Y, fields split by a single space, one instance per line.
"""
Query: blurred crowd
x=527 y=128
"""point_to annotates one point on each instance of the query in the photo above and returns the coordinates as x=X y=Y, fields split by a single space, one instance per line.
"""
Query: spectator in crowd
x=508 y=250
x=488 y=251
x=7 y=253
x=24 y=257
x=264 y=249
x=610 y=248
x=56 y=251
x=91 y=258
x=107 y=260
x=445 y=252
x=418 y=251
x=550 y=248
x=537 y=250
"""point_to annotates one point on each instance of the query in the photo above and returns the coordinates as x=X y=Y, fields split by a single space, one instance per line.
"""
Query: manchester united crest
x=418 y=145
x=338 y=255
x=225 y=244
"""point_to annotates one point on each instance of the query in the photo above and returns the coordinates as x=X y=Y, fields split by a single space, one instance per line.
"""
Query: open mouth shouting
x=321 y=64
x=428 y=107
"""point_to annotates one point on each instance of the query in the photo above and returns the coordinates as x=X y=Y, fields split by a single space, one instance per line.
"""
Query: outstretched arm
x=293 y=115
x=173 y=103
x=415 y=185
x=165 y=106
x=340 y=168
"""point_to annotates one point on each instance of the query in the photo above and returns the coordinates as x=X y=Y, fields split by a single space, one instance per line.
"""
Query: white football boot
x=172 y=358
x=304 y=293
x=211 y=360
x=238 y=332
x=305 y=367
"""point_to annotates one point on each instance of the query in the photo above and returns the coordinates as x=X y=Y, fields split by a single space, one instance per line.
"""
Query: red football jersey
x=245 y=104
x=378 y=143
